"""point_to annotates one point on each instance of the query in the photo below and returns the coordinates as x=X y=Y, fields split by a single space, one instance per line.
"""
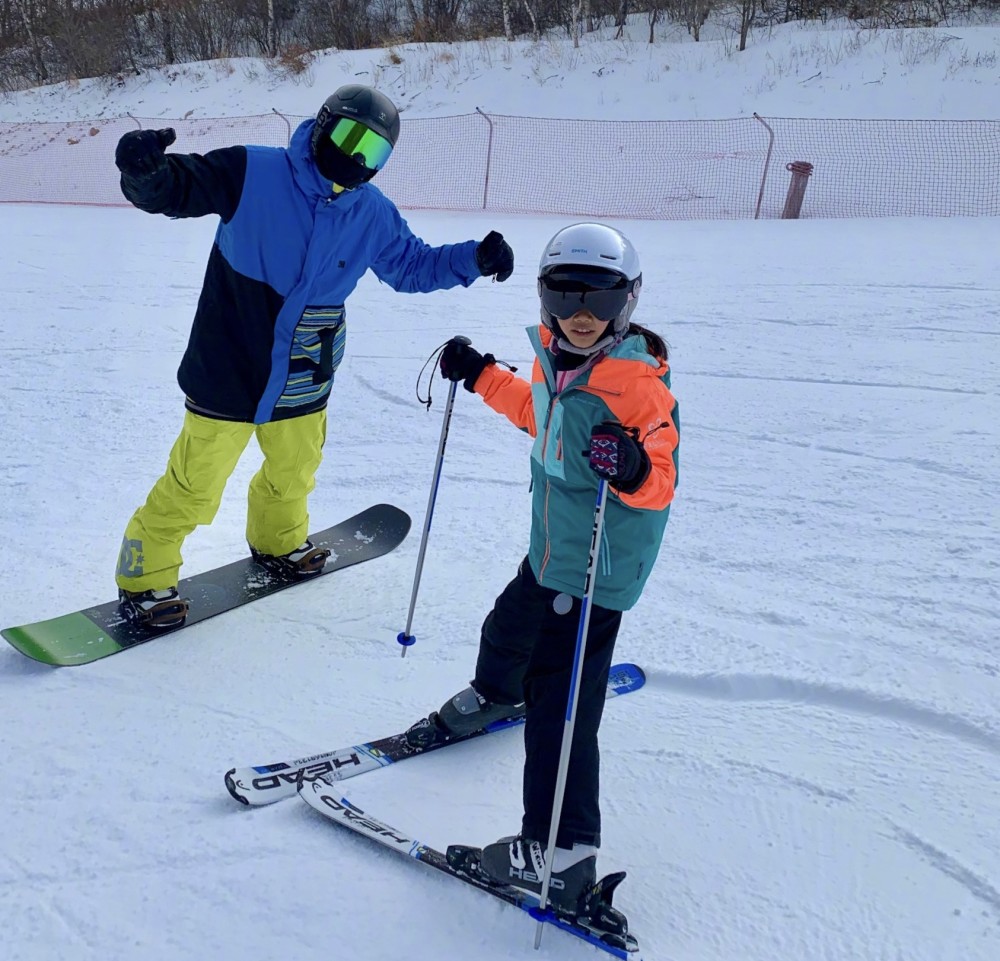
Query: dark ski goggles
x=566 y=290
x=353 y=139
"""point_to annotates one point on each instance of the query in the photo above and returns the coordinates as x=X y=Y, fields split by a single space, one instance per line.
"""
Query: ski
x=323 y=795
x=100 y=631
x=267 y=783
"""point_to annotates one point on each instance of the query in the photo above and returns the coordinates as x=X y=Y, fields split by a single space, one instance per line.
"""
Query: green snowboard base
x=97 y=632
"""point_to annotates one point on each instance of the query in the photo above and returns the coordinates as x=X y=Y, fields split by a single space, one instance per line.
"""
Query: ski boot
x=513 y=863
x=159 y=609
x=304 y=561
x=520 y=862
x=468 y=712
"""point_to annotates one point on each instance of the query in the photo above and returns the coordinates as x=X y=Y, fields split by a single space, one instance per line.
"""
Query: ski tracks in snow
x=977 y=885
x=897 y=770
x=772 y=687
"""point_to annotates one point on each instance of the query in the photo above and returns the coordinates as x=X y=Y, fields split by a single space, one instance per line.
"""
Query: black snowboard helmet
x=354 y=134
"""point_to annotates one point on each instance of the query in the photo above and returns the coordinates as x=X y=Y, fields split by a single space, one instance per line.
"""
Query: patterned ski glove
x=617 y=455
x=140 y=153
x=494 y=256
x=461 y=361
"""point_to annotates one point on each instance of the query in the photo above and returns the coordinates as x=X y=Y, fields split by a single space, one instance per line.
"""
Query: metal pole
x=767 y=163
x=287 y=124
x=405 y=637
x=489 y=156
x=574 y=697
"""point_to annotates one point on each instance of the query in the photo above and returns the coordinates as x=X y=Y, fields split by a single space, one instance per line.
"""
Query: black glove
x=494 y=256
x=617 y=455
x=140 y=152
x=460 y=361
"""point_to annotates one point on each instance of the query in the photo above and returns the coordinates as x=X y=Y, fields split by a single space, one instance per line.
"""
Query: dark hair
x=655 y=344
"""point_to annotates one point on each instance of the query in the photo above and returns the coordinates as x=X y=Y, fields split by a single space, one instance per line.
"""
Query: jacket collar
x=631 y=348
x=304 y=170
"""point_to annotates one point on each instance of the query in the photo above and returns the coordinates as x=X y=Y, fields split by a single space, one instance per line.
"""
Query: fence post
x=801 y=172
x=767 y=162
x=287 y=123
x=489 y=155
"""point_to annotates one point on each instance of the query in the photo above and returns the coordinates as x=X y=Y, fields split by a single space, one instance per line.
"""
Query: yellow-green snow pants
x=189 y=493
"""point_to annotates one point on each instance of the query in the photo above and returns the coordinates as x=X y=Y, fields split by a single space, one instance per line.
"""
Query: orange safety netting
x=665 y=170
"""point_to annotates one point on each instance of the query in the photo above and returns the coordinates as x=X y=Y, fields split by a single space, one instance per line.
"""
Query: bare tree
x=505 y=10
x=576 y=8
x=10 y=24
x=746 y=11
x=28 y=13
x=692 y=13
x=536 y=34
x=272 y=31
x=46 y=40
x=653 y=16
x=93 y=39
x=166 y=30
x=621 y=18
x=434 y=19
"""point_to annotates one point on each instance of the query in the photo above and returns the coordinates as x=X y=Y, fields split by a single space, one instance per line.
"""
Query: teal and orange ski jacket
x=629 y=386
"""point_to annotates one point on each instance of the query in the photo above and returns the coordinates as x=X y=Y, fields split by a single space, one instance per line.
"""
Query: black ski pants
x=526 y=654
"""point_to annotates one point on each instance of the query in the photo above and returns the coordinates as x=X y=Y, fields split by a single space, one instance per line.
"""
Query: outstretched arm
x=409 y=265
x=179 y=185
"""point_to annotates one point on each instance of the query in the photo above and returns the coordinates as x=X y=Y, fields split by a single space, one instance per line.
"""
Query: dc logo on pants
x=130 y=559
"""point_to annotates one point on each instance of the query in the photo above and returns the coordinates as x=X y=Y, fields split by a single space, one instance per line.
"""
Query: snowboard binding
x=304 y=561
x=154 y=609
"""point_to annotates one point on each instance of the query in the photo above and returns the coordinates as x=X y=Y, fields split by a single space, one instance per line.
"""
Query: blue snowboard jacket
x=270 y=327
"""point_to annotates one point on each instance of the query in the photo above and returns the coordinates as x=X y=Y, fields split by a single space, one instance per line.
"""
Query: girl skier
x=598 y=404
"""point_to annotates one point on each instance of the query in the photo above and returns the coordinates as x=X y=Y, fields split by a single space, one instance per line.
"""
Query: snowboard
x=96 y=632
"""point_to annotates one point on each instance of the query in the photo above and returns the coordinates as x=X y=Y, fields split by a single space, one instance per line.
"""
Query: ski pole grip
x=459 y=339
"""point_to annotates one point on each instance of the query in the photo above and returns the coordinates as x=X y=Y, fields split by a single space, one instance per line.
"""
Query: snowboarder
x=599 y=387
x=298 y=228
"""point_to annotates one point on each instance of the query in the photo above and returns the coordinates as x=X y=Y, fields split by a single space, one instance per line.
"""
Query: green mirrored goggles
x=360 y=143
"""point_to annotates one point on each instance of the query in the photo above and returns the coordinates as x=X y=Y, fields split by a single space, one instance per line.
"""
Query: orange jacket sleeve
x=647 y=403
x=509 y=395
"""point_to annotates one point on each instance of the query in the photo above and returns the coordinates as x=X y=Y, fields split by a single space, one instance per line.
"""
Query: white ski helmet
x=590 y=266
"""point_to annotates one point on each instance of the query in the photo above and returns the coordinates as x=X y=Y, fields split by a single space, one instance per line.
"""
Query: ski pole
x=574 y=697
x=405 y=638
